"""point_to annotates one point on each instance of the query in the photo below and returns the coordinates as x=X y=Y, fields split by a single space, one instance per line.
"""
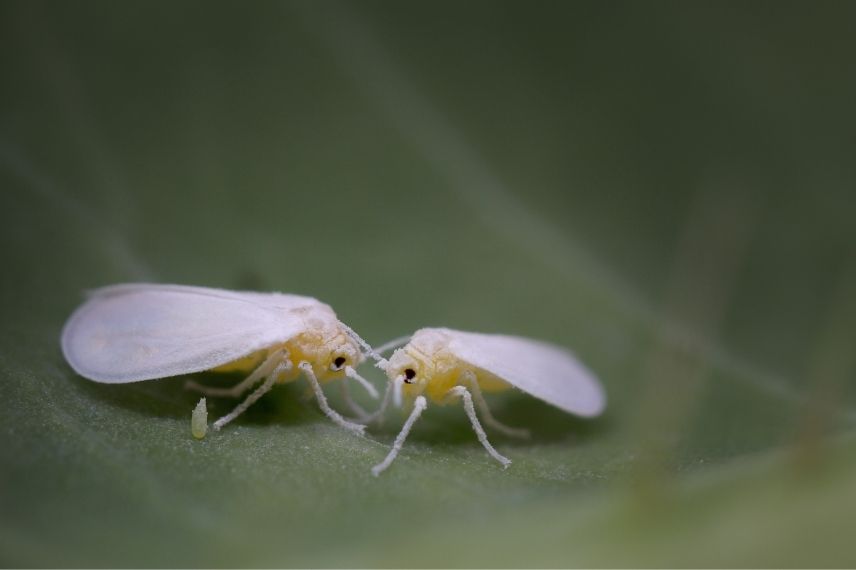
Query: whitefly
x=137 y=332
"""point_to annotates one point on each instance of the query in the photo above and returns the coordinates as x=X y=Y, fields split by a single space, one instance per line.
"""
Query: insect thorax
x=436 y=369
x=319 y=345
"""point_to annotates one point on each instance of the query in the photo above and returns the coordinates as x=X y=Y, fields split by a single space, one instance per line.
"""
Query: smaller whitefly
x=445 y=365
x=199 y=420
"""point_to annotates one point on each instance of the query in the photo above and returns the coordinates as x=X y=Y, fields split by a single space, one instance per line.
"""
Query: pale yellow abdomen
x=246 y=364
x=441 y=383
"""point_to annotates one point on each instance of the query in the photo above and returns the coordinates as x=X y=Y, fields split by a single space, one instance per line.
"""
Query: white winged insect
x=128 y=333
x=448 y=365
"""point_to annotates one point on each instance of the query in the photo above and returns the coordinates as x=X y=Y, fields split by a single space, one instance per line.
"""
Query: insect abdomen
x=244 y=364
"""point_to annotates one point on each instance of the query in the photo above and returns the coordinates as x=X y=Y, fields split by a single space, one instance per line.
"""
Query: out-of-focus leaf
x=665 y=189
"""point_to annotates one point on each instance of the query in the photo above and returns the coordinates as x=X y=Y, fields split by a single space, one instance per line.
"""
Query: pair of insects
x=134 y=332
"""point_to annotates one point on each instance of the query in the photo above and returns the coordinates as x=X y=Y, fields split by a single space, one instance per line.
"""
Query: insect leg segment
x=353 y=375
x=470 y=378
x=281 y=367
x=362 y=415
x=418 y=407
x=471 y=413
x=260 y=372
x=322 y=401
x=397 y=386
x=377 y=415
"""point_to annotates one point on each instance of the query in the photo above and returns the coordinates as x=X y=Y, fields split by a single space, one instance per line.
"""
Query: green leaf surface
x=666 y=189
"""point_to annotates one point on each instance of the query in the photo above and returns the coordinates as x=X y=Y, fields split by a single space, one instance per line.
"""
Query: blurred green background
x=667 y=188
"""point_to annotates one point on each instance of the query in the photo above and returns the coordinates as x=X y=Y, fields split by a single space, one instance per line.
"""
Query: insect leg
x=418 y=407
x=354 y=375
x=377 y=415
x=361 y=414
x=397 y=387
x=487 y=417
x=471 y=412
x=271 y=379
x=322 y=401
x=260 y=372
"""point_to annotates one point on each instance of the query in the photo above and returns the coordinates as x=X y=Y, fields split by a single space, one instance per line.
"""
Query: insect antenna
x=369 y=351
x=394 y=343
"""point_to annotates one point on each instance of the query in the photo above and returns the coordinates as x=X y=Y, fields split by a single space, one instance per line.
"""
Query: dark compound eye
x=339 y=362
x=409 y=375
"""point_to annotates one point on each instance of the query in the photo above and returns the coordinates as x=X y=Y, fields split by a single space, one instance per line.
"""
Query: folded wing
x=129 y=333
x=543 y=370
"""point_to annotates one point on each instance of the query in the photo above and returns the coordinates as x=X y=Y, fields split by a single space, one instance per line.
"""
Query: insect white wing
x=543 y=370
x=128 y=333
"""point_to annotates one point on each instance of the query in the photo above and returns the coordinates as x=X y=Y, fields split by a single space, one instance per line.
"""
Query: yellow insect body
x=320 y=348
x=436 y=370
x=322 y=352
x=244 y=365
